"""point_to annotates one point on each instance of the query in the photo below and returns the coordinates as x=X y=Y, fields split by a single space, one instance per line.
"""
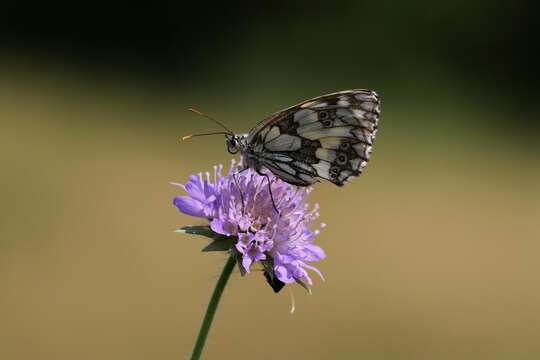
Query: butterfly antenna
x=204 y=134
x=212 y=119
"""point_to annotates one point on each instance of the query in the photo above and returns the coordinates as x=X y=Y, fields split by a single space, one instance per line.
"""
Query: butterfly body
x=328 y=137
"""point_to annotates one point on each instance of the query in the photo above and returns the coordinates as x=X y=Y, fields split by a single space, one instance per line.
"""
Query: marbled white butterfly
x=328 y=137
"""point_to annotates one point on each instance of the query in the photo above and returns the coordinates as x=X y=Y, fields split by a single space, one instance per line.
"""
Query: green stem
x=212 y=307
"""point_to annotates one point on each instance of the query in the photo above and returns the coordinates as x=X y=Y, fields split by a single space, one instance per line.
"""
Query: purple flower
x=284 y=240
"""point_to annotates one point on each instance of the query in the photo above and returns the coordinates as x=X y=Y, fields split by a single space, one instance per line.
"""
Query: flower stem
x=212 y=307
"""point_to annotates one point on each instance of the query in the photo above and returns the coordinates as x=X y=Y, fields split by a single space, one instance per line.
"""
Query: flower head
x=240 y=204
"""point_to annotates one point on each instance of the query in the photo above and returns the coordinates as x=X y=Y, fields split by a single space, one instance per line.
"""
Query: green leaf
x=220 y=245
x=270 y=276
x=238 y=258
x=219 y=242
x=203 y=230
x=273 y=281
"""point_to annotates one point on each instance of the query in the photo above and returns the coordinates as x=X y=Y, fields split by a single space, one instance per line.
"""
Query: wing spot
x=334 y=171
x=341 y=159
x=344 y=146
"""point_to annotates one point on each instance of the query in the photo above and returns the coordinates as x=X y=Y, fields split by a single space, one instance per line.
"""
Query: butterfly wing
x=328 y=137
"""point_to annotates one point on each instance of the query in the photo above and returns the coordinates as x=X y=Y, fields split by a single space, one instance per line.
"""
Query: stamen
x=178 y=184
x=293 y=303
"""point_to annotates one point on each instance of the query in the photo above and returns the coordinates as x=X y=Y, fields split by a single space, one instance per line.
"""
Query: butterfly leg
x=240 y=190
x=270 y=190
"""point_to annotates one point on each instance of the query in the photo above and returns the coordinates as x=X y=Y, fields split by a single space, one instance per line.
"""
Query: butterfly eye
x=231 y=148
x=341 y=159
x=345 y=146
x=327 y=123
x=323 y=115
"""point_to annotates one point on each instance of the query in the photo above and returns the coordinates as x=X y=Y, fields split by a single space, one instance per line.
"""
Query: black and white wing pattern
x=328 y=137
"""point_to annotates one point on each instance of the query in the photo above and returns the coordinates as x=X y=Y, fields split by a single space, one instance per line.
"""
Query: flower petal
x=314 y=253
x=283 y=274
x=189 y=206
x=246 y=262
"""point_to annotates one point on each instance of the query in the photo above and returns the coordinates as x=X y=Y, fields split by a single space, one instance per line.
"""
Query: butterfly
x=329 y=137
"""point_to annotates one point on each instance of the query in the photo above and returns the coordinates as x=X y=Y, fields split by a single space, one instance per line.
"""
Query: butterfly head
x=233 y=143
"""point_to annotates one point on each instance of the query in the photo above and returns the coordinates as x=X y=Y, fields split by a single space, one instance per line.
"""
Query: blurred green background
x=432 y=253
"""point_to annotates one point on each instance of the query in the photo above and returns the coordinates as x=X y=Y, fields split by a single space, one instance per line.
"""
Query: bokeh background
x=432 y=253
